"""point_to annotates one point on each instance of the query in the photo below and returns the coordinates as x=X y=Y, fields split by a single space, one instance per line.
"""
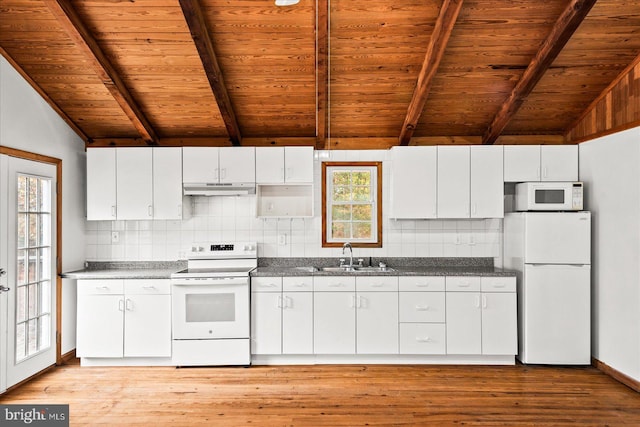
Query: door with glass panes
x=28 y=258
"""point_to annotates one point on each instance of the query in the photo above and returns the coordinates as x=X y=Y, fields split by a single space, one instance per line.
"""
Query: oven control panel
x=223 y=250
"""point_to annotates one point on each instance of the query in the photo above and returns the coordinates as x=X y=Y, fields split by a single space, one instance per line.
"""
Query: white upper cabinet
x=101 y=184
x=167 y=183
x=275 y=165
x=521 y=163
x=453 y=181
x=134 y=178
x=414 y=182
x=487 y=187
x=559 y=162
x=540 y=163
x=218 y=164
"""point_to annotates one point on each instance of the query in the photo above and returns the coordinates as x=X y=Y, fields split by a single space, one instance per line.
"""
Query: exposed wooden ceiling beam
x=194 y=16
x=562 y=30
x=81 y=36
x=190 y=141
x=322 y=73
x=435 y=50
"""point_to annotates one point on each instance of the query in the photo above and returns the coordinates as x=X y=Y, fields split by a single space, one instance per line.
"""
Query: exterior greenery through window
x=352 y=212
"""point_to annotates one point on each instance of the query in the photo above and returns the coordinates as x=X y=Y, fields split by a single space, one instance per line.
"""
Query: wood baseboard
x=69 y=358
x=617 y=375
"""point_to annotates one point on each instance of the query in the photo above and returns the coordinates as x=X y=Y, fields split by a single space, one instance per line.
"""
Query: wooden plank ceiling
x=329 y=73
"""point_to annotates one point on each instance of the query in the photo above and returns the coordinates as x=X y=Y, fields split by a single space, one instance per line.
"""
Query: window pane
x=361 y=178
x=45 y=195
x=21 y=275
x=22 y=231
x=341 y=178
x=361 y=194
x=32 y=296
x=32 y=336
x=44 y=266
x=45 y=332
x=32 y=265
x=33 y=195
x=340 y=230
x=44 y=228
x=20 y=341
x=362 y=230
x=362 y=212
x=21 y=304
x=22 y=193
x=341 y=194
x=341 y=212
x=45 y=297
x=33 y=230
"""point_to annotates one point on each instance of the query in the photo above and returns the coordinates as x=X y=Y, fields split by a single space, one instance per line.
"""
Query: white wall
x=28 y=123
x=233 y=218
x=609 y=166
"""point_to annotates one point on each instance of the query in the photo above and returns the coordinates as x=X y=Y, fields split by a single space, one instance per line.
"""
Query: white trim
x=390 y=359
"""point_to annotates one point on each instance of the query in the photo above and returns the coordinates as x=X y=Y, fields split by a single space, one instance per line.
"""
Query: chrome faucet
x=345 y=246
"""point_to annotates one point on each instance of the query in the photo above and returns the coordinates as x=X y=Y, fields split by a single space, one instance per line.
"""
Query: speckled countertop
x=301 y=267
x=127 y=270
x=400 y=267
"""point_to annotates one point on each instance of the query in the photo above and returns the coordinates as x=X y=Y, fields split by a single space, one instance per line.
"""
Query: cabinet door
x=453 y=182
x=413 y=182
x=266 y=323
x=147 y=321
x=463 y=323
x=269 y=165
x=298 y=162
x=100 y=326
x=559 y=162
x=487 y=186
x=377 y=323
x=134 y=183
x=237 y=164
x=297 y=323
x=499 y=324
x=167 y=183
x=101 y=184
x=200 y=164
x=521 y=163
x=334 y=323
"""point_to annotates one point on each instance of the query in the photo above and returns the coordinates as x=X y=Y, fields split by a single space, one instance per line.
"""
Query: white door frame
x=6 y=152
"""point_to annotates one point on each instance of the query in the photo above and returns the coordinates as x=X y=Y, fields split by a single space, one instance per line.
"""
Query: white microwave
x=549 y=196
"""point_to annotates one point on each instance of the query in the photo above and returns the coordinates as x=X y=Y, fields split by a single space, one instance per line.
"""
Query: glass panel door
x=31 y=268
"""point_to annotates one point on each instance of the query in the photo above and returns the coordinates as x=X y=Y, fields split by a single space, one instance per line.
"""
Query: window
x=352 y=204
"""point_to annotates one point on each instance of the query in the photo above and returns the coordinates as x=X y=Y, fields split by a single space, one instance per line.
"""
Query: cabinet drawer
x=421 y=283
x=266 y=284
x=422 y=306
x=463 y=284
x=297 y=284
x=147 y=286
x=422 y=338
x=377 y=283
x=100 y=287
x=334 y=284
x=498 y=284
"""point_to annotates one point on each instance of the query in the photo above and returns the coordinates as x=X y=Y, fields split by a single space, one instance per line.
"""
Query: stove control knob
x=248 y=248
x=200 y=249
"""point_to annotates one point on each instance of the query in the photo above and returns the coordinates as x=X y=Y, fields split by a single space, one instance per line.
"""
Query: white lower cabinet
x=334 y=315
x=422 y=338
x=282 y=315
x=377 y=315
x=124 y=318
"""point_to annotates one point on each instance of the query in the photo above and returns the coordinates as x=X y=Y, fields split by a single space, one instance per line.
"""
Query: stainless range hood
x=214 y=189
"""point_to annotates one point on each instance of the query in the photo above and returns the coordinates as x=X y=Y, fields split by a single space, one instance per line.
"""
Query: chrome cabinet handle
x=2 y=272
x=4 y=289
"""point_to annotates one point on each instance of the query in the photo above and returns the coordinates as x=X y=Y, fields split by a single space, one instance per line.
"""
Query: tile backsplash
x=230 y=218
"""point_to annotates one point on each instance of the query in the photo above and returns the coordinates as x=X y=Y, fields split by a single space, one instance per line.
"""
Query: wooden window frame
x=378 y=166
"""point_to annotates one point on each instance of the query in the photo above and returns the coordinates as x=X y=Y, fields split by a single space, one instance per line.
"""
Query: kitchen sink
x=307 y=269
x=357 y=269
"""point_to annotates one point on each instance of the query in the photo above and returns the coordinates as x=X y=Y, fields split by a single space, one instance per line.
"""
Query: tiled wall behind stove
x=232 y=218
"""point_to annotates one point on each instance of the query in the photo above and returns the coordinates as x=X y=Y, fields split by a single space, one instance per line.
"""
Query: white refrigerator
x=551 y=251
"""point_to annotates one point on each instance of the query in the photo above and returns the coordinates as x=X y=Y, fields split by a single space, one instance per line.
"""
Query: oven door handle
x=213 y=281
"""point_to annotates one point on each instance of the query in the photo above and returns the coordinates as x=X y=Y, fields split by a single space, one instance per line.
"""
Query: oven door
x=211 y=308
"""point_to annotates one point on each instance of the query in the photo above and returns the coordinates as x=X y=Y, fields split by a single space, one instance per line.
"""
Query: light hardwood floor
x=335 y=395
